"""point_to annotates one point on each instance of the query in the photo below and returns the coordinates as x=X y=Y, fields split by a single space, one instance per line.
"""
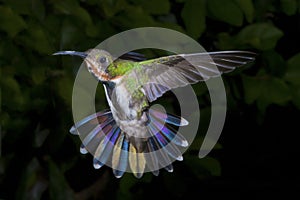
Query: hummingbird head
x=96 y=61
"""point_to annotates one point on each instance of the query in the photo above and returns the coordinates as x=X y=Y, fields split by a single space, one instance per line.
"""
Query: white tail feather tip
x=97 y=166
x=184 y=122
x=83 y=150
x=184 y=143
x=179 y=158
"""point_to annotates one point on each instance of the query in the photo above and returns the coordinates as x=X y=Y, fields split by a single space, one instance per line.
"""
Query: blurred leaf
x=199 y=166
x=292 y=76
x=92 y=2
x=293 y=70
x=194 y=9
x=100 y=26
x=127 y=184
x=177 y=190
x=168 y=18
x=13 y=97
x=262 y=36
x=6 y=47
x=155 y=7
x=275 y=64
x=265 y=90
x=38 y=75
x=40 y=136
x=110 y=10
x=19 y=7
x=58 y=186
x=52 y=25
x=27 y=7
x=10 y=22
x=263 y=8
x=134 y=17
x=289 y=7
x=172 y=26
x=65 y=88
x=92 y=30
x=112 y=2
x=33 y=184
x=37 y=39
x=296 y=95
x=226 y=11
x=226 y=41
x=3 y=160
x=38 y=9
x=276 y=91
x=248 y=9
x=72 y=7
x=252 y=88
x=68 y=38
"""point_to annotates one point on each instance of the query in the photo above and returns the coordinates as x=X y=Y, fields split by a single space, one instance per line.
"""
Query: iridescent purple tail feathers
x=110 y=146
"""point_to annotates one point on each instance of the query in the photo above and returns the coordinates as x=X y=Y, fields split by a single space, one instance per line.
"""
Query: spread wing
x=134 y=56
x=159 y=75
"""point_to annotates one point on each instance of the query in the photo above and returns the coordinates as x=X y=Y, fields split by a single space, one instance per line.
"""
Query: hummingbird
x=130 y=134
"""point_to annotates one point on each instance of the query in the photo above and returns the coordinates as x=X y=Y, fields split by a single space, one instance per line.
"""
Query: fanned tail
x=165 y=139
x=102 y=137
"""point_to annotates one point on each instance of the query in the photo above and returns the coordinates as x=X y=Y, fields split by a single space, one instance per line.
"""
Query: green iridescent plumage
x=120 y=67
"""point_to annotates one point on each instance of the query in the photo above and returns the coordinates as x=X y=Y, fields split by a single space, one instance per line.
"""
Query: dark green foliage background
x=257 y=152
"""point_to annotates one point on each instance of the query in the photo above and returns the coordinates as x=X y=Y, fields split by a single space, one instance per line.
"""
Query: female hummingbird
x=130 y=134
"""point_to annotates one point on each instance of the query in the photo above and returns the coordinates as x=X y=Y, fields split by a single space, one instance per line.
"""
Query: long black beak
x=72 y=53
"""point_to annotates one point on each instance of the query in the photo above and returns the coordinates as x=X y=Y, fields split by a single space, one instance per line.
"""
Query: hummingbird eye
x=102 y=59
